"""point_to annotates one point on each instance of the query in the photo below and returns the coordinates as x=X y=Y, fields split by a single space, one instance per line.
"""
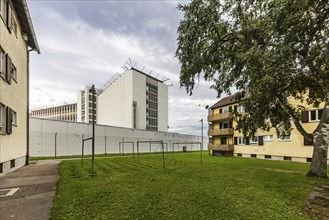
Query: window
x=268 y=138
x=2 y=118
x=241 y=141
x=287 y=158
x=226 y=109
x=268 y=157
x=3 y=9
x=2 y=62
x=14 y=118
x=315 y=115
x=240 y=108
x=223 y=140
x=285 y=138
x=254 y=140
x=13 y=72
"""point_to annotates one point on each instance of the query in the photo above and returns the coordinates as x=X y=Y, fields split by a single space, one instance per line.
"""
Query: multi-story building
x=17 y=39
x=225 y=140
x=66 y=112
x=135 y=100
x=84 y=104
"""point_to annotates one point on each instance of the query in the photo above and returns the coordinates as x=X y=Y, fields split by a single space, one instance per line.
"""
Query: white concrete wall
x=115 y=104
x=139 y=95
x=162 y=107
x=70 y=134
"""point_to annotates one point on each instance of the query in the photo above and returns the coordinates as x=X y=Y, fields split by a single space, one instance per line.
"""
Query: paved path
x=317 y=204
x=33 y=199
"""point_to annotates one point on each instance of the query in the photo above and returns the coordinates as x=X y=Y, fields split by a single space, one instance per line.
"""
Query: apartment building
x=225 y=140
x=135 y=100
x=66 y=112
x=84 y=104
x=17 y=39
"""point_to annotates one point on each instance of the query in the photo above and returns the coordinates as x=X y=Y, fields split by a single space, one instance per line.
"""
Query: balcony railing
x=220 y=117
x=222 y=147
x=221 y=132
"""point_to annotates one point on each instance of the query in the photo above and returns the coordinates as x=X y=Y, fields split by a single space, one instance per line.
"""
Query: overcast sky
x=87 y=42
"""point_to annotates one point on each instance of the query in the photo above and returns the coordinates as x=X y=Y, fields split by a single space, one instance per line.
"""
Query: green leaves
x=274 y=48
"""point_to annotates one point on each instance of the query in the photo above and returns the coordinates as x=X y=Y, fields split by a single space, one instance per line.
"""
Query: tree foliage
x=274 y=49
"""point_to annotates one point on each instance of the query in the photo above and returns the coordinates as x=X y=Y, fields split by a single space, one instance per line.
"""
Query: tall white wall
x=69 y=135
x=162 y=107
x=139 y=95
x=115 y=104
x=79 y=103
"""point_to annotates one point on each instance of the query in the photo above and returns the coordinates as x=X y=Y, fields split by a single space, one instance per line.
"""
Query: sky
x=88 y=42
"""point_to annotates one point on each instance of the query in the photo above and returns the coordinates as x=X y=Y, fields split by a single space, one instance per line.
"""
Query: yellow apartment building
x=226 y=141
x=17 y=39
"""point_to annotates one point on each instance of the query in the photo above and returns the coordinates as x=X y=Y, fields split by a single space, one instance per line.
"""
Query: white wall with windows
x=134 y=100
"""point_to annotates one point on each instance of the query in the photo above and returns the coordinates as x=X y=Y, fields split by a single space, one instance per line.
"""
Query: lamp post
x=93 y=139
x=201 y=147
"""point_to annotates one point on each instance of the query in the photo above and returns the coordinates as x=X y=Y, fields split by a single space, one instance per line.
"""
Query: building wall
x=84 y=104
x=13 y=146
x=66 y=112
x=163 y=107
x=69 y=135
x=276 y=148
x=115 y=104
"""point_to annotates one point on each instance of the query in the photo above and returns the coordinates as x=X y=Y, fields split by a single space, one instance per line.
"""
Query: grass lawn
x=221 y=188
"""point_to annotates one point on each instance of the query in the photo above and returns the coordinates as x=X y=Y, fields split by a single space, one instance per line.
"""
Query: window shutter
x=9 y=120
x=9 y=17
x=236 y=108
x=220 y=110
x=247 y=141
x=235 y=140
x=307 y=142
x=305 y=116
x=230 y=109
x=8 y=69
x=260 y=140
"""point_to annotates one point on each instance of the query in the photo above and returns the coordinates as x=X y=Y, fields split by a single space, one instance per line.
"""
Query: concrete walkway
x=35 y=185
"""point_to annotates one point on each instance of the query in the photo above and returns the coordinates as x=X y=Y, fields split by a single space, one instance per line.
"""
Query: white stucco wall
x=162 y=107
x=69 y=138
x=115 y=103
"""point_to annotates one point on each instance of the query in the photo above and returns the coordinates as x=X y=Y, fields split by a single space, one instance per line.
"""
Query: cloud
x=84 y=42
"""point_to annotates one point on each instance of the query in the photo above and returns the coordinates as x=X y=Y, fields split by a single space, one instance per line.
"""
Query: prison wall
x=60 y=138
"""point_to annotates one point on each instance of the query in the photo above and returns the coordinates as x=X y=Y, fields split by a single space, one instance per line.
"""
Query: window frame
x=281 y=139
x=268 y=140
x=2 y=118
x=317 y=115
x=2 y=63
x=240 y=108
x=241 y=141
x=14 y=118
x=253 y=141
x=225 y=109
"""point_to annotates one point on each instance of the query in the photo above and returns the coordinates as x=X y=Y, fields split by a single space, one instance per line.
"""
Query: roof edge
x=29 y=20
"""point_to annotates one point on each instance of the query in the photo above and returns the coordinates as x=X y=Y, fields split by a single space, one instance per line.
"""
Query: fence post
x=105 y=144
x=56 y=145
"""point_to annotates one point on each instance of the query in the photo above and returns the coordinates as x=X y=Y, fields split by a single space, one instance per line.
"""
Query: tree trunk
x=320 y=146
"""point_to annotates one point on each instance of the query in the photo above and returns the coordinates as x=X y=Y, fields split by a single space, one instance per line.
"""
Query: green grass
x=221 y=188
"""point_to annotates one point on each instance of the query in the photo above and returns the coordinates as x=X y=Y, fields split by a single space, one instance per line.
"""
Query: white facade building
x=134 y=100
x=84 y=104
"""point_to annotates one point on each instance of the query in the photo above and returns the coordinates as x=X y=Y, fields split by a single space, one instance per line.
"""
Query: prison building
x=84 y=104
x=67 y=112
x=135 y=100
x=17 y=40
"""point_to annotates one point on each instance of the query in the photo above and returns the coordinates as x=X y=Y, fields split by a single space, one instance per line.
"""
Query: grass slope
x=221 y=188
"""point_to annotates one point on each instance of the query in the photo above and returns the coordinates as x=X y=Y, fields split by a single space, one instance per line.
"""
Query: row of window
x=255 y=140
x=6 y=13
x=7 y=68
x=151 y=128
x=151 y=88
x=8 y=118
x=151 y=97
x=239 y=108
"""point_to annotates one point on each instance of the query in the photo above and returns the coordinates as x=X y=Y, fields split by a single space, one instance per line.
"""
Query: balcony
x=220 y=117
x=221 y=132
x=221 y=147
